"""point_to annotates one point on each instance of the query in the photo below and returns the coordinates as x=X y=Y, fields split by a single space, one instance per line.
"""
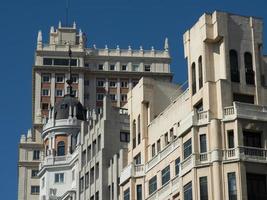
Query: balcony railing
x=132 y=170
x=202 y=117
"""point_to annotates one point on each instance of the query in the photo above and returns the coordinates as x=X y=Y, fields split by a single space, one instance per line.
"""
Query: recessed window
x=250 y=77
x=135 y=67
x=35 y=189
x=126 y=194
x=100 y=67
x=139 y=195
x=232 y=190
x=244 y=98
x=166 y=139
x=81 y=184
x=97 y=171
x=61 y=148
x=112 y=67
x=124 y=84
x=230 y=135
x=59 y=93
x=234 y=66
x=124 y=136
x=92 y=175
x=194 y=86
x=147 y=68
x=75 y=78
x=152 y=184
x=100 y=83
x=187 y=148
x=74 y=93
x=73 y=175
x=87 y=180
x=44 y=106
x=177 y=166
x=165 y=175
x=200 y=73
x=36 y=154
x=203 y=143
x=45 y=92
x=153 y=150
x=99 y=97
x=158 y=146
x=188 y=191
x=60 y=78
x=47 y=61
x=65 y=62
x=59 y=178
x=123 y=97
x=112 y=83
x=137 y=159
x=46 y=78
x=124 y=67
x=203 y=187
x=34 y=173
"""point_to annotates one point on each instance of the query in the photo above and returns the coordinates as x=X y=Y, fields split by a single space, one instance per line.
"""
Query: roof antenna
x=67 y=12
x=69 y=81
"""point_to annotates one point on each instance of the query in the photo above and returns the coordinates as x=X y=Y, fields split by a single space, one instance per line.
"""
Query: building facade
x=95 y=73
x=210 y=141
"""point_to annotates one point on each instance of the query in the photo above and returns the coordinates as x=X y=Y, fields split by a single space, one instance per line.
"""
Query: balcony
x=202 y=117
x=245 y=111
x=132 y=170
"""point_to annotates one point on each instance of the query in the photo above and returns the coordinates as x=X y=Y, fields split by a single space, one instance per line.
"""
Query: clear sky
x=111 y=22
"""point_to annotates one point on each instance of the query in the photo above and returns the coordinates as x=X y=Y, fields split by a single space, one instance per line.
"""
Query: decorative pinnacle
x=166 y=44
x=39 y=37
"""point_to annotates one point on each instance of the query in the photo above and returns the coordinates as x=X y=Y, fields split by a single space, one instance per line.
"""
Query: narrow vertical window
x=126 y=194
x=61 y=148
x=165 y=175
x=232 y=190
x=234 y=66
x=139 y=192
x=230 y=135
x=134 y=134
x=249 y=68
x=193 y=78
x=187 y=148
x=200 y=73
x=203 y=143
x=188 y=191
x=177 y=166
x=158 y=146
x=152 y=184
x=153 y=150
x=203 y=187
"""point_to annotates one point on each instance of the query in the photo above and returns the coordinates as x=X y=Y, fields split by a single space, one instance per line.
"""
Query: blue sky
x=112 y=22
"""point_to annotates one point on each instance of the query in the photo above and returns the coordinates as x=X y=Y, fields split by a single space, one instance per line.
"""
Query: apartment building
x=209 y=141
x=96 y=72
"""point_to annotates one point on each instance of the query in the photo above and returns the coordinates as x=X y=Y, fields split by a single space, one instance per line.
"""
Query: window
x=45 y=92
x=135 y=67
x=97 y=171
x=177 y=166
x=74 y=92
x=234 y=66
x=171 y=134
x=158 y=146
x=188 y=191
x=112 y=83
x=124 y=84
x=36 y=154
x=137 y=159
x=124 y=67
x=147 y=68
x=99 y=97
x=60 y=78
x=243 y=98
x=256 y=186
x=166 y=139
x=47 y=61
x=153 y=150
x=112 y=67
x=34 y=173
x=46 y=78
x=98 y=142
x=65 y=62
x=35 y=189
x=113 y=97
x=92 y=197
x=100 y=83
x=152 y=185
x=231 y=143
x=73 y=175
x=87 y=180
x=193 y=78
x=165 y=175
x=83 y=158
x=203 y=143
x=92 y=175
x=187 y=148
x=126 y=194
x=232 y=190
x=81 y=184
x=134 y=134
x=94 y=147
x=123 y=97
x=44 y=106
x=59 y=178
x=124 y=136
x=252 y=139
x=139 y=192
x=75 y=78
x=200 y=73
x=97 y=195
x=59 y=93
x=100 y=67
x=88 y=153
x=203 y=187
x=61 y=148
x=249 y=68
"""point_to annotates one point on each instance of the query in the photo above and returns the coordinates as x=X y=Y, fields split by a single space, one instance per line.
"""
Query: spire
x=39 y=37
x=74 y=25
x=166 y=44
x=59 y=24
x=52 y=29
x=29 y=135
x=69 y=81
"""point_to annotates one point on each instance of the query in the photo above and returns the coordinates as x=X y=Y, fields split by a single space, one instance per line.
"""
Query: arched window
x=234 y=66
x=61 y=148
x=193 y=78
x=200 y=73
x=249 y=68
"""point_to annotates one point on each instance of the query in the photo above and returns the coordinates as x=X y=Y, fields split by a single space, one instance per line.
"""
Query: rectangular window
x=137 y=159
x=230 y=135
x=138 y=192
x=177 y=166
x=94 y=147
x=126 y=194
x=188 y=191
x=124 y=136
x=124 y=67
x=187 y=148
x=47 y=61
x=97 y=195
x=46 y=78
x=87 y=180
x=252 y=139
x=73 y=175
x=244 y=98
x=232 y=190
x=100 y=83
x=35 y=189
x=65 y=62
x=83 y=158
x=135 y=67
x=59 y=178
x=165 y=175
x=124 y=84
x=44 y=106
x=153 y=150
x=256 y=186
x=92 y=175
x=123 y=97
x=112 y=84
x=152 y=185
x=59 y=93
x=147 y=68
x=203 y=187
x=113 y=97
x=45 y=92
x=112 y=67
x=36 y=154
x=100 y=67
x=158 y=146
x=75 y=78
x=74 y=93
x=166 y=139
x=99 y=97
x=203 y=143
x=81 y=184
x=98 y=142
x=59 y=78
x=89 y=153
x=34 y=173
x=97 y=171
x=171 y=134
